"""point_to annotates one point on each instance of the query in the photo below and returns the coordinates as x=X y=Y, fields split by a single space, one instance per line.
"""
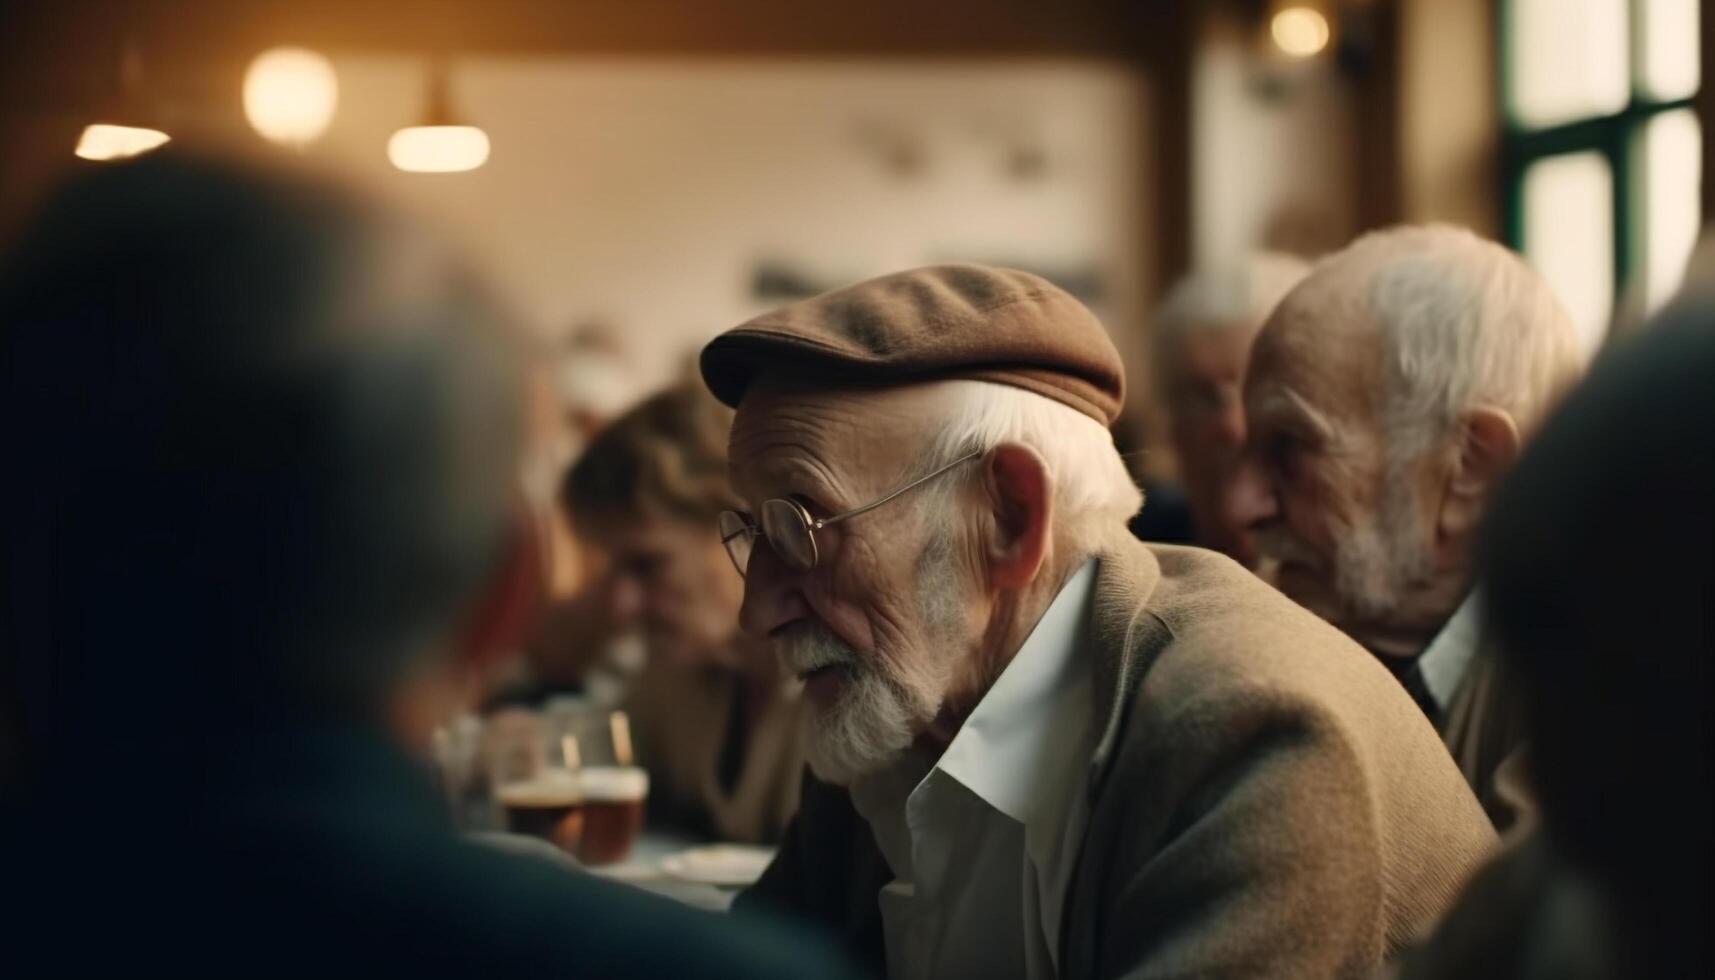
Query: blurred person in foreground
x=1041 y=747
x=1387 y=395
x=1203 y=334
x=1611 y=629
x=716 y=720
x=265 y=535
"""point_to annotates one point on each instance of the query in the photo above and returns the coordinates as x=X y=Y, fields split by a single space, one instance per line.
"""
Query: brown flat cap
x=941 y=322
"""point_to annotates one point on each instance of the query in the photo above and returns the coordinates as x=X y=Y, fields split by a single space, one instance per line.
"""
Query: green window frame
x=1618 y=137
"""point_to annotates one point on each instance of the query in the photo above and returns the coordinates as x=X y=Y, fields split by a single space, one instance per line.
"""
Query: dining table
x=657 y=863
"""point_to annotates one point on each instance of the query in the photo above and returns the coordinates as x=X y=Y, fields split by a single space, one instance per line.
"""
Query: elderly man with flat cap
x=1040 y=748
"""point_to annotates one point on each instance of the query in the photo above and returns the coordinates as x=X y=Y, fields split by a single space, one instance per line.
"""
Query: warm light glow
x=290 y=95
x=1569 y=236
x=104 y=141
x=1567 y=59
x=1673 y=174
x=438 y=149
x=1668 y=65
x=1300 y=31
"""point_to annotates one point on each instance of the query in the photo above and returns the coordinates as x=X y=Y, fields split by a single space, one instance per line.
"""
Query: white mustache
x=809 y=646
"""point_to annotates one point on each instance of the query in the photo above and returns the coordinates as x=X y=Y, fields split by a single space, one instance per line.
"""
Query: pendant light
x=124 y=127
x=1299 y=31
x=439 y=143
x=290 y=95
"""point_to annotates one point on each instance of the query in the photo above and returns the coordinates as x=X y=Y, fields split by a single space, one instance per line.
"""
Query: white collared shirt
x=1444 y=663
x=983 y=840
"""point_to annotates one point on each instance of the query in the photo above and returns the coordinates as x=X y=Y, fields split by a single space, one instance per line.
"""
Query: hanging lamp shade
x=116 y=141
x=439 y=143
x=124 y=127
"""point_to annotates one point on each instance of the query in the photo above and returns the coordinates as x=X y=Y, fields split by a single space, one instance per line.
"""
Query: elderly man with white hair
x=1387 y=395
x=1041 y=748
x=1203 y=334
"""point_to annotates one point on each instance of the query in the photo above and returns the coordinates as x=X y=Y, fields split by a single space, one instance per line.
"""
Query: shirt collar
x=1443 y=663
x=1014 y=749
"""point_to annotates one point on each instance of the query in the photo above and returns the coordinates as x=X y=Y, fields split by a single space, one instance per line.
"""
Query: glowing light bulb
x=438 y=149
x=1300 y=31
x=290 y=95
x=106 y=141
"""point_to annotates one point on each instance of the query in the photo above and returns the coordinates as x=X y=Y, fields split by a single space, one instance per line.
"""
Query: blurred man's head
x=1596 y=572
x=1203 y=334
x=267 y=455
x=900 y=617
x=1386 y=396
x=646 y=493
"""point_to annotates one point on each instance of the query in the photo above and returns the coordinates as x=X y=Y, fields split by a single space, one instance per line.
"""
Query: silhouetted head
x=263 y=458
x=1599 y=581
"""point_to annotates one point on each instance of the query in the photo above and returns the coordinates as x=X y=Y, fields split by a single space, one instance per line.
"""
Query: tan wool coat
x=1265 y=800
x=1483 y=728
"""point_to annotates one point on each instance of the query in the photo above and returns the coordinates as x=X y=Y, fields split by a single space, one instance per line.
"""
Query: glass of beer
x=597 y=743
x=539 y=791
x=549 y=805
x=613 y=798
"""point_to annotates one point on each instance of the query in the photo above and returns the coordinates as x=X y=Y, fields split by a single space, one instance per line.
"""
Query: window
x=1601 y=156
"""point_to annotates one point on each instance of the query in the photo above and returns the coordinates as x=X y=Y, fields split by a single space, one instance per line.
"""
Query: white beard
x=870 y=723
x=878 y=714
x=862 y=733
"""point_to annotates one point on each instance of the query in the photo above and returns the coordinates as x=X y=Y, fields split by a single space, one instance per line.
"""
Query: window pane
x=1567 y=59
x=1667 y=48
x=1569 y=235
x=1673 y=162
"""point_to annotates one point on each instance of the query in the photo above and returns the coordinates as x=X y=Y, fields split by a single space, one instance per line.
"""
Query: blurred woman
x=714 y=719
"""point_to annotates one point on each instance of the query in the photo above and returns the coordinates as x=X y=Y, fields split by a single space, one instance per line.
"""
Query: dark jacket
x=327 y=854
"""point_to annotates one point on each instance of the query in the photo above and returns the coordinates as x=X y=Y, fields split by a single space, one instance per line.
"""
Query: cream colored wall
x=1273 y=147
x=1449 y=121
x=643 y=192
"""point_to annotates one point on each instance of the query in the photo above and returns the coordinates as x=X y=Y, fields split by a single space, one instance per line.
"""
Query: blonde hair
x=667 y=457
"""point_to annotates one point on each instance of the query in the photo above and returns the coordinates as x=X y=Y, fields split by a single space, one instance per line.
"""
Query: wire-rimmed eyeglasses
x=791 y=531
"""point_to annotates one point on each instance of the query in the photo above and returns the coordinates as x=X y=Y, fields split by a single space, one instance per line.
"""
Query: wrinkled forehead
x=1321 y=348
x=845 y=440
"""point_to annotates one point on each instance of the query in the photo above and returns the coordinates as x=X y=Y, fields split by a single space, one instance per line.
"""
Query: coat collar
x=1127 y=638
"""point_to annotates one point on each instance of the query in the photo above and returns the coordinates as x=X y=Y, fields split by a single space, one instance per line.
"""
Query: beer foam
x=614 y=783
x=548 y=789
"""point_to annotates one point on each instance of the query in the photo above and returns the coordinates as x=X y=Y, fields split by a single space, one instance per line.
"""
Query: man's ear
x=1022 y=502
x=1488 y=443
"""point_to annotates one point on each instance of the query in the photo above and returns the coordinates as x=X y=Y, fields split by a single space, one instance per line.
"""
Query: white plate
x=726 y=865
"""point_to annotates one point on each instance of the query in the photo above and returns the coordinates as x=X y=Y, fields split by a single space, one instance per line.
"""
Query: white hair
x=1464 y=322
x=1239 y=296
x=1093 y=494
